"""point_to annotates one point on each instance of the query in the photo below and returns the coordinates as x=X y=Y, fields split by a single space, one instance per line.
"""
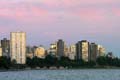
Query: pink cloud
x=116 y=11
x=91 y=14
x=24 y=13
x=31 y=13
x=97 y=1
x=69 y=3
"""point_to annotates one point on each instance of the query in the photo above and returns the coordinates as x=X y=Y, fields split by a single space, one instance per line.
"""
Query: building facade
x=101 y=51
x=72 y=52
x=5 y=44
x=53 y=49
x=82 y=50
x=18 y=47
x=40 y=52
x=60 y=48
x=66 y=50
x=93 y=52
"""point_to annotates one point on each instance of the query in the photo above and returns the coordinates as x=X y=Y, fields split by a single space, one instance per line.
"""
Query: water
x=86 y=74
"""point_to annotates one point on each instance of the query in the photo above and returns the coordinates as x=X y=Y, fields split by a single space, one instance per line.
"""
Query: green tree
x=34 y=62
x=51 y=60
x=29 y=61
x=65 y=61
x=102 y=61
x=81 y=62
x=4 y=62
x=91 y=63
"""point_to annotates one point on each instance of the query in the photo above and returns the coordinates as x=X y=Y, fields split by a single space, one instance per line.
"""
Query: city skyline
x=47 y=47
x=46 y=21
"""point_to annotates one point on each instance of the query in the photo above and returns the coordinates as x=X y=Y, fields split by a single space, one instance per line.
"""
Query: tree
x=102 y=61
x=51 y=60
x=4 y=62
x=34 y=62
x=91 y=63
x=116 y=62
x=81 y=62
x=110 y=61
x=64 y=61
x=29 y=61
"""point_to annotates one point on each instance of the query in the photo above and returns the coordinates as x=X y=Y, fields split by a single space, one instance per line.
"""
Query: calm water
x=88 y=74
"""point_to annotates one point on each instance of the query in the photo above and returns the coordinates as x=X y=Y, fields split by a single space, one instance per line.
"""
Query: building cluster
x=16 y=49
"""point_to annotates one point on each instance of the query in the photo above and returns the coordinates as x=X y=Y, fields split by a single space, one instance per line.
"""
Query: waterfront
x=82 y=74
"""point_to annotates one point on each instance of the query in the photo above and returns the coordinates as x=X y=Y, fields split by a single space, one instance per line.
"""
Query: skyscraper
x=93 y=52
x=18 y=47
x=66 y=50
x=53 y=49
x=82 y=50
x=72 y=52
x=101 y=51
x=5 y=44
x=60 y=48
x=78 y=51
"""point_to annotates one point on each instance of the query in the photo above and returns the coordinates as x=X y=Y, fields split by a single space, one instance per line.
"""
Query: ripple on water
x=88 y=74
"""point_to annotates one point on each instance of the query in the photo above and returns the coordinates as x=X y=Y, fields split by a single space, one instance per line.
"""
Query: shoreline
x=85 y=68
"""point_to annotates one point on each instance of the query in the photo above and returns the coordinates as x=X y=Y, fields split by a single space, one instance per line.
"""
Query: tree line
x=50 y=60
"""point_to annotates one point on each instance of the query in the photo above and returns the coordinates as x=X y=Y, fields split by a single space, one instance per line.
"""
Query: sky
x=45 y=21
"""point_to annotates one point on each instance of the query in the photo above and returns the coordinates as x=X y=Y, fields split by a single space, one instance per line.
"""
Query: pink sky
x=72 y=20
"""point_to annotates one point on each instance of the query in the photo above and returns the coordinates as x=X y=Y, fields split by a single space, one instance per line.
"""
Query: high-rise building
x=72 y=52
x=5 y=44
x=66 y=50
x=101 y=51
x=0 y=51
x=78 y=51
x=60 y=48
x=18 y=47
x=82 y=50
x=40 y=52
x=53 y=49
x=93 y=52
